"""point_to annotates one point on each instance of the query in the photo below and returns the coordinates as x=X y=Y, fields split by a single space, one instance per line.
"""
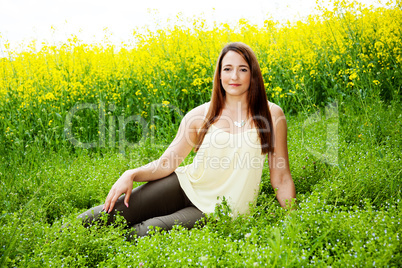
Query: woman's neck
x=236 y=104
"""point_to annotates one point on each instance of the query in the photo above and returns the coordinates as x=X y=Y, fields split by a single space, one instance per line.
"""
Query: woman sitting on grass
x=232 y=134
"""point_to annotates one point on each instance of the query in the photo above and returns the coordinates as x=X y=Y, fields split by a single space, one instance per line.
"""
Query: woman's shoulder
x=197 y=115
x=276 y=110
x=199 y=111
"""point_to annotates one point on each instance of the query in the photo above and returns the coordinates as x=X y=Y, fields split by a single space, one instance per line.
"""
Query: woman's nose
x=234 y=74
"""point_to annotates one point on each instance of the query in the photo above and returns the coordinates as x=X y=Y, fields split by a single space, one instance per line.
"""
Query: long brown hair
x=257 y=98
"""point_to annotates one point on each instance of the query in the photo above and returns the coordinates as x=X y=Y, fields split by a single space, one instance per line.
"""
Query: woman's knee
x=97 y=215
x=91 y=215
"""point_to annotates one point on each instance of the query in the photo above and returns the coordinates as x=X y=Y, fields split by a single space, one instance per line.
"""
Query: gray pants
x=160 y=203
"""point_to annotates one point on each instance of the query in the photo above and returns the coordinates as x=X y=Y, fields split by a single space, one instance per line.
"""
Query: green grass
x=349 y=210
x=338 y=80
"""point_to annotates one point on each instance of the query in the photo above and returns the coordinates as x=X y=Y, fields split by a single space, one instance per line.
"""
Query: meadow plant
x=75 y=116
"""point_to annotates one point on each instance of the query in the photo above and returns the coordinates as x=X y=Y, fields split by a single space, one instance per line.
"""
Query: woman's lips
x=235 y=85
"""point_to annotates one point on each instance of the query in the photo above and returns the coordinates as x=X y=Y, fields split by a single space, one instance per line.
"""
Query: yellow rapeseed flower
x=353 y=76
x=49 y=96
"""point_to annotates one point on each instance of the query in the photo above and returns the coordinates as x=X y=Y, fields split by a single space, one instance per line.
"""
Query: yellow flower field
x=347 y=51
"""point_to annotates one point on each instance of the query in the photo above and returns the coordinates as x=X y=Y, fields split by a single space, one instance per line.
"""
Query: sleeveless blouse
x=226 y=165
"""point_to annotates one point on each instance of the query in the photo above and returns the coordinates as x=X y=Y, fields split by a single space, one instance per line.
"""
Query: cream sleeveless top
x=226 y=165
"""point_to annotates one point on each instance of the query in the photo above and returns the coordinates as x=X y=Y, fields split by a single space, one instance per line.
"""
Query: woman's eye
x=244 y=70
x=226 y=69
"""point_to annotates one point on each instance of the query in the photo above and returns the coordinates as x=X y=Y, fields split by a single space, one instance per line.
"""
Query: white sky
x=24 y=20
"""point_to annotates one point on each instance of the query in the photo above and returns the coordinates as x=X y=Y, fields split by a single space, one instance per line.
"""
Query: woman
x=232 y=134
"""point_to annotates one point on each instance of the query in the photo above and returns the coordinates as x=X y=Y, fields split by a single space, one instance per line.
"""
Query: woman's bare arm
x=177 y=151
x=281 y=178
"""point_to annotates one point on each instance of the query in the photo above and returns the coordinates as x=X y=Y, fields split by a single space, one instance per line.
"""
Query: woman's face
x=235 y=74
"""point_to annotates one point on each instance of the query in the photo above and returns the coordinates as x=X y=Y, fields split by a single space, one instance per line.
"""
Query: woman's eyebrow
x=229 y=65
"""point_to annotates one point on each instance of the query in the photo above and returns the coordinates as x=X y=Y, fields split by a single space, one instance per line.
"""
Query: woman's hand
x=124 y=185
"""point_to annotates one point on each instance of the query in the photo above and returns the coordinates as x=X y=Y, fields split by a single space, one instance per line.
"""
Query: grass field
x=74 y=116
